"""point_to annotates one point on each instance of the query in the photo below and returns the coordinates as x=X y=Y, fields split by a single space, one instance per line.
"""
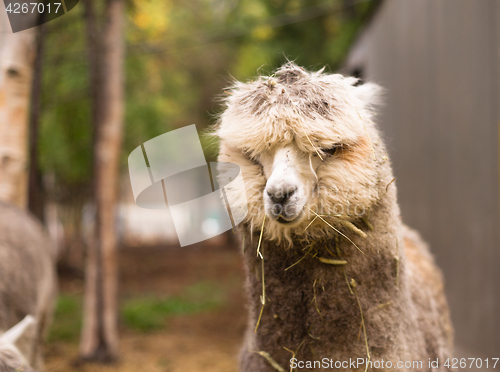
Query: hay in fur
x=352 y=286
x=337 y=231
x=271 y=361
x=263 y=297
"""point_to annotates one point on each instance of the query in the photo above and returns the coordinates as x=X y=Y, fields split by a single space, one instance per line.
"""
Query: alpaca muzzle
x=283 y=202
x=284 y=194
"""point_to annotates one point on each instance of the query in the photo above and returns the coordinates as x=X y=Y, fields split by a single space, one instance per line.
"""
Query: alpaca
x=332 y=273
x=27 y=278
x=15 y=344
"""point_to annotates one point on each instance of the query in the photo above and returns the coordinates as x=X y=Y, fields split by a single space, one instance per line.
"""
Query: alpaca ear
x=369 y=93
x=20 y=335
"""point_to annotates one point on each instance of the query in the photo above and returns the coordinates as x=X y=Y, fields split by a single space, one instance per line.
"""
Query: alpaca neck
x=308 y=299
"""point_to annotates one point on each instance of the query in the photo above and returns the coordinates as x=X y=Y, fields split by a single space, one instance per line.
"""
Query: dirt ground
x=206 y=341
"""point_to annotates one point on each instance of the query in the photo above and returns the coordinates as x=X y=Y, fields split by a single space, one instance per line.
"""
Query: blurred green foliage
x=138 y=313
x=67 y=319
x=179 y=57
x=146 y=314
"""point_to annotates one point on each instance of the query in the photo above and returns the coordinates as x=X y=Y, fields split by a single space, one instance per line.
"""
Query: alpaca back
x=27 y=275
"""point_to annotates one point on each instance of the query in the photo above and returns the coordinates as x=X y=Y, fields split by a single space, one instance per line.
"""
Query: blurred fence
x=440 y=63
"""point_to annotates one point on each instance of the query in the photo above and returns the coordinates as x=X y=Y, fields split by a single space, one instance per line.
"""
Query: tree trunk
x=100 y=335
x=17 y=53
x=35 y=191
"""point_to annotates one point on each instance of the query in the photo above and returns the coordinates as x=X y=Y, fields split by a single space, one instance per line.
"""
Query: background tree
x=17 y=52
x=35 y=189
x=100 y=335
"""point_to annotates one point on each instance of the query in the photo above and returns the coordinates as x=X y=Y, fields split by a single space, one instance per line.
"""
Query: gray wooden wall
x=440 y=63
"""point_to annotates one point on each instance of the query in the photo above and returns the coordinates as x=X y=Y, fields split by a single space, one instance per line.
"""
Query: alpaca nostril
x=281 y=197
x=278 y=199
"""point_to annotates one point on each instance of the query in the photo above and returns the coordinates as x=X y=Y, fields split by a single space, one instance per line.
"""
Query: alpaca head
x=306 y=144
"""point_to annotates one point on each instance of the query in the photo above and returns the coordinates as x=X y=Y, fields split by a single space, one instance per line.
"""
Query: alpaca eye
x=332 y=150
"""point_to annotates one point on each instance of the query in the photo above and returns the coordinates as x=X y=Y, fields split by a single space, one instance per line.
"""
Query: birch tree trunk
x=100 y=335
x=17 y=53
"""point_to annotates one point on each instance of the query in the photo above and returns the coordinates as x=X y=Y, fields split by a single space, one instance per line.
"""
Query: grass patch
x=143 y=314
x=147 y=314
x=67 y=319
